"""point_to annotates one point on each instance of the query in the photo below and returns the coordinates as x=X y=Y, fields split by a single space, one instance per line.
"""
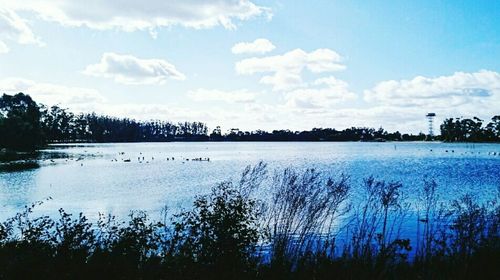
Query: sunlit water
x=95 y=179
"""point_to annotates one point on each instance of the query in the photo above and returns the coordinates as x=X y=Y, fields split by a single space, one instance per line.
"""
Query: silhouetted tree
x=470 y=130
x=19 y=122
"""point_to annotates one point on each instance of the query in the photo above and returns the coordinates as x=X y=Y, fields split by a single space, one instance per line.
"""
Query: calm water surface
x=94 y=178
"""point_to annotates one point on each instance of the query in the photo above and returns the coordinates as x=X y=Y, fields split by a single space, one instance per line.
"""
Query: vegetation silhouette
x=470 y=130
x=310 y=227
x=25 y=125
x=20 y=125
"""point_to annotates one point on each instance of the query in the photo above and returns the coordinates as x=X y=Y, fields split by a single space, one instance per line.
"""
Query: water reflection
x=117 y=178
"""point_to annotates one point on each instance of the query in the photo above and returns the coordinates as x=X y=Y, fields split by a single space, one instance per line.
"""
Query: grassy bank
x=294 y=234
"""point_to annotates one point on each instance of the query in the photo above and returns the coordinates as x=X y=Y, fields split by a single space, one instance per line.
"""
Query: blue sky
x=320 y=64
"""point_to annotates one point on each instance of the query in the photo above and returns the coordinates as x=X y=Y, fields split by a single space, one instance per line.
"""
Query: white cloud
x=14 y=28
x=388 y=117
x=326 y=93
x=406 y=102
x=3 y=48
x=253 y=115
x=127 y=69
x=86 y=100
x=394 y=105
x=266 y=116
x=51 y=94
x=131 y=15
x=154 y=111
x=260 y=46
x=286 y=69
x=236 y=96
x=459 y=89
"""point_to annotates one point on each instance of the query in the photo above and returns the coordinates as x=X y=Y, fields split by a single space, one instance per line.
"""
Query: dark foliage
x=20 y=126
x=228 y=234
x=218 y=237
x=470 y=130
x=24 y=124
x=18 y=165
x=60 y=125
x=316 y=134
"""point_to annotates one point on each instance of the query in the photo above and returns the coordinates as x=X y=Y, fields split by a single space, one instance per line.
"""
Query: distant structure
x=430 y=117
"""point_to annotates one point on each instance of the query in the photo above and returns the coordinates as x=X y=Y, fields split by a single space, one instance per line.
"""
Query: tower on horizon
x=430 y=119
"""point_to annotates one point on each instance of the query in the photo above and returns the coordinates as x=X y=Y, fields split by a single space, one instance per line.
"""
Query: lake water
x=94 y=178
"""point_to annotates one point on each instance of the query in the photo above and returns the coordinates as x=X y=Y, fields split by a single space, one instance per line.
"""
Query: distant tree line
x=24 y=124
x=470 y=130
x=59 y=125
x=316 y=134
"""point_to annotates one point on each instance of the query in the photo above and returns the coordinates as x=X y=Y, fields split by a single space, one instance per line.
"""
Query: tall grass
x=302 y=215
x=311 y=226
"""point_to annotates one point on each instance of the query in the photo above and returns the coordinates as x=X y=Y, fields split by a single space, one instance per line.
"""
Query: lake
x=93 y=178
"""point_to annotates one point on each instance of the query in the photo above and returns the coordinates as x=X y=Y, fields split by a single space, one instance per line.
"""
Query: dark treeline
x=24 y=124
x=308 y=227
x=316 y=134
x=470 y=130
x=60 y=125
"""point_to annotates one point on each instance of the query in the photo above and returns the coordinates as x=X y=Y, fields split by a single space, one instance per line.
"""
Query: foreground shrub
x=309 y=228
x=218 y=236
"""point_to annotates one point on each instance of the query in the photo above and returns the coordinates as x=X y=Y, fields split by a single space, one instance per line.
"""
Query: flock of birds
x=140 y=159
x=471 y=152
x=143 y=159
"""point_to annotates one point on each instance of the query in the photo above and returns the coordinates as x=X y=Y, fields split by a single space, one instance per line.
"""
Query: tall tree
x=19 y=122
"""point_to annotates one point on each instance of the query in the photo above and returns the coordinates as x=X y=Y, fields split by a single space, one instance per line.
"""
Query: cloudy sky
x=257 y=64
